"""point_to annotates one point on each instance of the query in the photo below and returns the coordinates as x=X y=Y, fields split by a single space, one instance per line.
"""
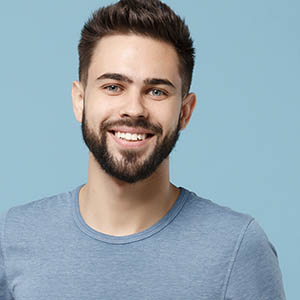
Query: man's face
x=132 y=105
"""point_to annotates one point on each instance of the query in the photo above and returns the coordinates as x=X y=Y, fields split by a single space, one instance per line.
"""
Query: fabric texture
x=198 y=250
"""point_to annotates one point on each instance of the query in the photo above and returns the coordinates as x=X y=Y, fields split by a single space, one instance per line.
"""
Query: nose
x=134 y=106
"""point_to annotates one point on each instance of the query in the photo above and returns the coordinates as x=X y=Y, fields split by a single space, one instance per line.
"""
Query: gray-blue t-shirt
x=198 y=250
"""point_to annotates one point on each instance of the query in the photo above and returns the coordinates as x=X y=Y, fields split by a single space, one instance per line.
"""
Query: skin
x=109 y=205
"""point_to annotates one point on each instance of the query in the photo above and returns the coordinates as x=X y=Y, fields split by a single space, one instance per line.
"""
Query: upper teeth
x=130 y=137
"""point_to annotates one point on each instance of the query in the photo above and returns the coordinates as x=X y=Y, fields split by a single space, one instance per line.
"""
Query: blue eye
x=112 y=88
x=157 y=93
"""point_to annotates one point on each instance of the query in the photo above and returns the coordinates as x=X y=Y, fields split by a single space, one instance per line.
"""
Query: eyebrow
x=115 y=76
x=156 y=81
x=147 y=81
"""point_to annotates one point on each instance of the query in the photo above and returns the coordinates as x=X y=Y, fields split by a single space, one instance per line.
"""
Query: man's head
x=130 y=95
x=150 y=18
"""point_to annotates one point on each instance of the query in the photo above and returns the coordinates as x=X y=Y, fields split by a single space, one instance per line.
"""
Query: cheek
x=168 y=117
x=97 y=110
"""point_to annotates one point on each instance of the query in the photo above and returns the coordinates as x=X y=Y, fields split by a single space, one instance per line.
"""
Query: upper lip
x=132 y=130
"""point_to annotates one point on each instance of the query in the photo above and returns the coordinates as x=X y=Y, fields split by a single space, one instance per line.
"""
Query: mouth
x=131 y=140
x=131 y=136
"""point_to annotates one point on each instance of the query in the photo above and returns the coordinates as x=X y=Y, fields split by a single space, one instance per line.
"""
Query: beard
x=129 y=168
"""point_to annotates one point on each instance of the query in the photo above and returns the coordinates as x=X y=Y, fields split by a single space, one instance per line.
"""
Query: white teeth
x=130 y=137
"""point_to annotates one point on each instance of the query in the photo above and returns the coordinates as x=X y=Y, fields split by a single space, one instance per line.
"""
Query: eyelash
x=162 y=93
x=110 y=86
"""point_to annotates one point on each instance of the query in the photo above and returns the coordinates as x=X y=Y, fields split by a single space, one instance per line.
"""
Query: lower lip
x=130 y=144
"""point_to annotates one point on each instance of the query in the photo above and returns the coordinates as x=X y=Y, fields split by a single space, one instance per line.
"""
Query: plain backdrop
x=241 y=148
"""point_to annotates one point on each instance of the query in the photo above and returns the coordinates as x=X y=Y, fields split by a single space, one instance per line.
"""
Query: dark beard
x=128 y=169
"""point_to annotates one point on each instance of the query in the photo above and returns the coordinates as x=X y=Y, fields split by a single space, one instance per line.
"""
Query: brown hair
x=150 y=18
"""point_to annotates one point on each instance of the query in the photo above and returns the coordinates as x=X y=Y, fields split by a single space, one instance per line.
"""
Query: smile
x=130 y=136
x=131 y=139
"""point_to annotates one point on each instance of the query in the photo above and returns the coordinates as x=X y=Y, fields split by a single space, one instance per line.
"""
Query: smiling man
x=135 y=94
x=129 y=233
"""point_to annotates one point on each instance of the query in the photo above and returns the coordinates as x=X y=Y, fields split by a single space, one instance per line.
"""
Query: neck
x=118 y=208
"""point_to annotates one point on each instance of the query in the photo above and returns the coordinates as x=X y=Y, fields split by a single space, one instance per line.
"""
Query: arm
x=4 y=291
x=255 y=272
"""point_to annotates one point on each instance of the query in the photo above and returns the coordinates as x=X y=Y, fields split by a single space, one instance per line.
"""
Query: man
x=128 y=233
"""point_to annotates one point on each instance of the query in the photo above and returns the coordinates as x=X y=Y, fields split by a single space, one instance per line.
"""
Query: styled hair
x=150 y=18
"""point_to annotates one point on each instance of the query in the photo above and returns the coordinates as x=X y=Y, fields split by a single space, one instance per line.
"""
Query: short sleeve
x=4 y=291
x=255 y=272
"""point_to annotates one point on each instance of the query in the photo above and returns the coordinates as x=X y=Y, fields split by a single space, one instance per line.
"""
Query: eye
x=157 y=93
x=113 y=89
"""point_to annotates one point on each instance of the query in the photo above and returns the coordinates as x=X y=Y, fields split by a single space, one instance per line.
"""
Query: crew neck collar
x=162 y=223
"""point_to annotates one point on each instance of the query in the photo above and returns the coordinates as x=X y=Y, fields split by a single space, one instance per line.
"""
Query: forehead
x=136 y=56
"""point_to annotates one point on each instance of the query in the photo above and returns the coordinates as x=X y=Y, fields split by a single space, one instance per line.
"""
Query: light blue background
x=241 y=148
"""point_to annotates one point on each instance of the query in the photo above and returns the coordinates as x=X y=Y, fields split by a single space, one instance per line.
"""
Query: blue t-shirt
x=198 y=250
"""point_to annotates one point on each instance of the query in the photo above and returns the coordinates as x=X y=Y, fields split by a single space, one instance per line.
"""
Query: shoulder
x=215 y=229
x=228 y=221
x=36 y=213
x=210 y=214
x=255 y=271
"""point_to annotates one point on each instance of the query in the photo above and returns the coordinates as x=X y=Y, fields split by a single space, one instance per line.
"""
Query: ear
x=188 y=105
x=78 y=99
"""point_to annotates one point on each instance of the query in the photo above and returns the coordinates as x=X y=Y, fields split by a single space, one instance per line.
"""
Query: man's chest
x=154 y=272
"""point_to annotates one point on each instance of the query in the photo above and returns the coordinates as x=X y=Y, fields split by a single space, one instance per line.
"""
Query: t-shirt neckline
x=158 y=226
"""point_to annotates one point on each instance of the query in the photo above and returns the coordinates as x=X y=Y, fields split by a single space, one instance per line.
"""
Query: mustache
x=141 y=123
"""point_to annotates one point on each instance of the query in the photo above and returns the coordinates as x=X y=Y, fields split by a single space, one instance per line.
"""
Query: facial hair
x=128 y=168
